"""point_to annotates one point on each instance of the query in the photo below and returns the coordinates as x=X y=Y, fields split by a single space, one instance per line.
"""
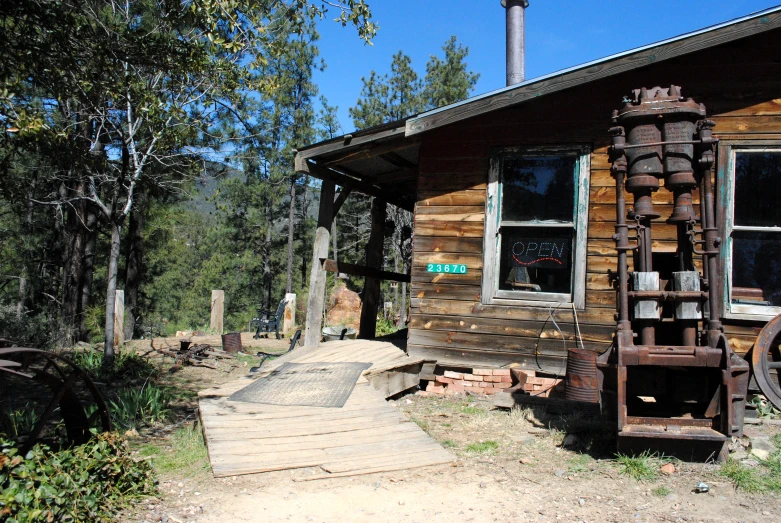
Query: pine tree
x=448 y=81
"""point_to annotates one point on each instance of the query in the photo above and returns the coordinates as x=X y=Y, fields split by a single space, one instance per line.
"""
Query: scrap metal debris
x=200 y=355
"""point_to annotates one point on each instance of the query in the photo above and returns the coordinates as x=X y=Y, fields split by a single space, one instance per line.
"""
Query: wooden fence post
x=119 y=318
x=289 y=322
x=317 y=277
x=371 y=286
x=218 y=306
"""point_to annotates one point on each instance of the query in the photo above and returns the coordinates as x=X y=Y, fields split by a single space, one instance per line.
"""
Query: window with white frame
x=535 y=233
x=753 y=228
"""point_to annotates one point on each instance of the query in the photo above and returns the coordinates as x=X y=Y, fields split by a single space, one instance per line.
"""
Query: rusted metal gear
x=72 y=398
x=766 y=356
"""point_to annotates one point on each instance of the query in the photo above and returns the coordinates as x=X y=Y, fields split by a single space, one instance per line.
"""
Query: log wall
x=740 y=84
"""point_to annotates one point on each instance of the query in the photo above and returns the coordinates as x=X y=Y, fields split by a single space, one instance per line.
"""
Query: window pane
x=758 y=189
x=536 y=259
x=756 y=271
x=538 y=188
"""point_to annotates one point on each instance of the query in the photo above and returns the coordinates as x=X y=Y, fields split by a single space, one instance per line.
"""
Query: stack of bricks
x=536 y=386
x=480 y=381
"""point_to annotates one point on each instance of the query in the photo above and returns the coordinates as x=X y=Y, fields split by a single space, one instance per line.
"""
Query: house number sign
x=450 y=268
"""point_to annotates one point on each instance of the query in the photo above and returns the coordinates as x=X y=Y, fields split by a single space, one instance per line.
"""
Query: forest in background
x=148 y=146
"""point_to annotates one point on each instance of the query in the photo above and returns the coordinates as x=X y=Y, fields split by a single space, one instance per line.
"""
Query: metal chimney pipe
x=516 y=36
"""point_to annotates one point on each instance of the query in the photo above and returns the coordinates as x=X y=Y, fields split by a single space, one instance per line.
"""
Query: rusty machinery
x=70 y=403
x=676 y=378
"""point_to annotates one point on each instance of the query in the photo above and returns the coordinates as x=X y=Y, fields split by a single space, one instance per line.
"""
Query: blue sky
x=559 y=34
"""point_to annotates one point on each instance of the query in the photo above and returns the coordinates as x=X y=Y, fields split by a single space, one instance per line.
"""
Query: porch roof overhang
x=383 y=161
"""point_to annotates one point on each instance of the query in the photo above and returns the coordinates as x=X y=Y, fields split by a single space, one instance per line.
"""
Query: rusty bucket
x=582 y=382
x=231 y=342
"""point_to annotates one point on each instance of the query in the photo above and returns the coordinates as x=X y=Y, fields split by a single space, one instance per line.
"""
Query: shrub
x=127 y=366
x=90 y=482
x=134 y=407
x=27 y=330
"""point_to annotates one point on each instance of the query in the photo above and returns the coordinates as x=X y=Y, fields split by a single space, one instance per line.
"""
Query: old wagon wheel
x=765 y=356
x=72 y=395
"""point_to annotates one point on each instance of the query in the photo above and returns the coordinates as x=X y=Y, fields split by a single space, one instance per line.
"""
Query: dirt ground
x=509 y=466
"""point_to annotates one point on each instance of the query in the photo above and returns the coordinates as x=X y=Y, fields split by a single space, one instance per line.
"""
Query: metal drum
x=231 y=342
x=581 y=380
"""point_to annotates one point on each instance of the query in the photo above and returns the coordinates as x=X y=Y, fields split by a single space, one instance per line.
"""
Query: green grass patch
x=580 y=463
x=642 y=467
x=483 y=447
x=449 y=443
x=469 y=409
x=744 y=478
x=776 y=440
x=186 y=455
x=661 y=491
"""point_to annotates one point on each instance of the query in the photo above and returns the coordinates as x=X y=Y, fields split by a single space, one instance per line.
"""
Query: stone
x=559 y=473
x=668 y=468
x=760 y=453
x=581 y=502
x=570 y=440
x=762 y=443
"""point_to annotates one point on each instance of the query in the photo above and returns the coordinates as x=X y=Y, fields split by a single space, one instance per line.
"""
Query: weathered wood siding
x=740 y=84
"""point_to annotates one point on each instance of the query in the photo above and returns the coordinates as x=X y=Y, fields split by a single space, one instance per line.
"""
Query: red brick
x=436 y=389
x=472 y=377
x=491 y=390
x=454 y=375
x=505 y=379
x=501 y=372
x=456 y=387
x=468 y=383
x=442 y=379
x=482 y=372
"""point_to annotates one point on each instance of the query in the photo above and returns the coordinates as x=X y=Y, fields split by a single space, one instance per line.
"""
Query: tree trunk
x=133 y=270
x=305 y=201
x=22 y=296
x=267 y=258
x=73 y=254
x=291 y=217
x=87 y=267
x=111 y=290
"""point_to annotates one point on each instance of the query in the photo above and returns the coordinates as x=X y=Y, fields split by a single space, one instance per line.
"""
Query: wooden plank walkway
x=366 y=435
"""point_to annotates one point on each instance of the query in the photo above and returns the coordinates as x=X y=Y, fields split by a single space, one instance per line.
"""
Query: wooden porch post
x=371 y=286
x=317 y=277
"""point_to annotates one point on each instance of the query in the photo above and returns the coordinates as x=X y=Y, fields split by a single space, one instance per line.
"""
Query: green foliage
x=641 y=467
x=661 y=491
x=187 y=455
x=134 y=408
x=87 y=483
x=483 y=447
x=448 y=81
x=25 y=329
x=385 y=327
x=580 y=463
x=127 y=366
x=19 y=422
x=765 y=409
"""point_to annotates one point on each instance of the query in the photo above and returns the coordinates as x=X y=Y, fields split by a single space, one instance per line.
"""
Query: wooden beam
x=340 y=199
x=317 y=276
x=398 y=160
x=604 y=68
x=342 y=180
x=371 y=150
x=371 y=286
x=362 y=270
x=396 y=176
x=353 y=145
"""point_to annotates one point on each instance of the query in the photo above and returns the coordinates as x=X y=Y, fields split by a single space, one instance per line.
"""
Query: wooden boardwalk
x=366 y=435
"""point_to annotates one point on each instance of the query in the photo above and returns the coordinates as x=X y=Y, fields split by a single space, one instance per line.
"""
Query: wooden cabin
x=460 y=169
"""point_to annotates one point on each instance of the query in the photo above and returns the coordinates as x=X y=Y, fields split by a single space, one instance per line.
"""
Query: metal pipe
x=516 y=36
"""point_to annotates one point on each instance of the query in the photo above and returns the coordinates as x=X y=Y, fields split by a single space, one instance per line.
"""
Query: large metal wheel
x=766 y=357
x=48 y=393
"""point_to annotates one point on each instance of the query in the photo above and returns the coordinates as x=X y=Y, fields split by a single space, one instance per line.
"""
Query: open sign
x=542 y=253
